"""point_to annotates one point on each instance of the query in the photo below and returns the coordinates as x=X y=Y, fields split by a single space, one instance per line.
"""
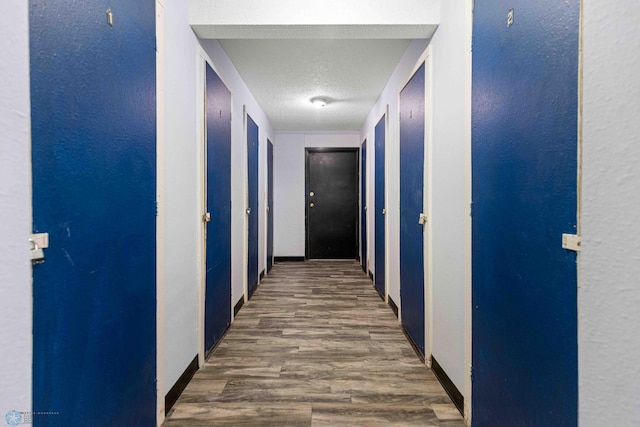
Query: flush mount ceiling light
x=318 y=102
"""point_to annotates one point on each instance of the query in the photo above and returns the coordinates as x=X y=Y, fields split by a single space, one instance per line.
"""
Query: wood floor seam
x=315 y=346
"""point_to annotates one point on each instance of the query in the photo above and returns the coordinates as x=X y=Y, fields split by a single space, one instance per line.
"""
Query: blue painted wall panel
x=412 y=128
x=363 y=204
x=218 y=243
x=524 y=159
x=252 y=164
x=270 y=205
x=380 y=264
x=94 y=187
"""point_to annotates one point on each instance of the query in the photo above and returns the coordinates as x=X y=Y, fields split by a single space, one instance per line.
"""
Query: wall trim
x=172 y=396
x=238 y=306
x=288 y=259
x=447 y=384
x=413 y=344
x=393 y=306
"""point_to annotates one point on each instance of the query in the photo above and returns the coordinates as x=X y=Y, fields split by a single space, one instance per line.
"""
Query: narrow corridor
x=314 y=346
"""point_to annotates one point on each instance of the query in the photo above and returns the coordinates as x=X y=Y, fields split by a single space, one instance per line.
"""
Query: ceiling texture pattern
x=284 y=75
x=288 y=52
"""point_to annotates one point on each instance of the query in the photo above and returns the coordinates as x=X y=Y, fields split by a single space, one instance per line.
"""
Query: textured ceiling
x=285 y=74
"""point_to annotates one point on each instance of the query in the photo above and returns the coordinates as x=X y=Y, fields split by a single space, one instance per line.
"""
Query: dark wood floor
x=314 y=346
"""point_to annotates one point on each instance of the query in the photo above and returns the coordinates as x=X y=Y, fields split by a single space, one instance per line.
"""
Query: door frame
x=427 y=194
x=385 y=225
x=202 y=60
x=308 y=150
x=246 y=115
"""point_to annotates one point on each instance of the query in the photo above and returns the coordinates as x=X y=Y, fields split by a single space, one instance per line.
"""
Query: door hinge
x=471 y=209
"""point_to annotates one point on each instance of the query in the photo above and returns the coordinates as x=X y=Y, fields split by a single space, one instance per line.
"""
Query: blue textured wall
x=412 y=128
x=218 y=272
x=252 y=165
x=363 y=205
x=379 y=275
x=524 y=160
x=270 y=205
x=94 y=187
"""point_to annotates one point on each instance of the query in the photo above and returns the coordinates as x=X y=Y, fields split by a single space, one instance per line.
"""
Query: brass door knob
x=311 y=204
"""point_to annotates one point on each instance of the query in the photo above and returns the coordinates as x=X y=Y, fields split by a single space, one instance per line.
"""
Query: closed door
x=381 y=211
x=363 y=204
x=412 y=128
x=332 y=203
x=218 y=203
x=524 y=183
x=252 y=205
x=269 y=205
x=93 y=117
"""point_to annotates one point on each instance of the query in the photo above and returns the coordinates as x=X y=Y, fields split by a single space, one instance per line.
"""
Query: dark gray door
x=332 y=203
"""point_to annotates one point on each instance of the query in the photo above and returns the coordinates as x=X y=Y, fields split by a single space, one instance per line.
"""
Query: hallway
x=314 y=346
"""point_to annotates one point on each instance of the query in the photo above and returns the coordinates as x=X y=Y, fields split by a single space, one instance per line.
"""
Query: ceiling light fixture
x=319 y=102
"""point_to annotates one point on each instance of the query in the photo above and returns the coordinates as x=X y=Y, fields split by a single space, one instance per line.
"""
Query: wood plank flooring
x=315 y=346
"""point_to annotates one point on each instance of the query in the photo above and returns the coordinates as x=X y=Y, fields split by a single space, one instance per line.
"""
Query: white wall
x=255 y=19
x=181 y=199
x=389 y=96
x=182 y=224
x=289 y=181
x=449 y=176
x=15 y=211
x=241 y=96
x=609 y=264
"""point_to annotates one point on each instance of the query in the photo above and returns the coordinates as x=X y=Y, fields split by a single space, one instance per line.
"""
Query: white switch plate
x=571 y=242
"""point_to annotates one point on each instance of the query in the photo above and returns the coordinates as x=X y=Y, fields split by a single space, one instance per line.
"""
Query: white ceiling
x=284 y=74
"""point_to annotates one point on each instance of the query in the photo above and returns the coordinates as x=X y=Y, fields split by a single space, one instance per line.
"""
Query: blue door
x=412 y=130
x=524 y=160
x=269 y=205
x=363 y=204
x=380 y=212
x=252 y=205
x=218 y=230
x=93 y=115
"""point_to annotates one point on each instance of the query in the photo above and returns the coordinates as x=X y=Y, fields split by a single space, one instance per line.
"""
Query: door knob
x=384 y=211
x=206 y=217
x=311 y=204
x=312 y=194
x=422 y=220
x=248 y=211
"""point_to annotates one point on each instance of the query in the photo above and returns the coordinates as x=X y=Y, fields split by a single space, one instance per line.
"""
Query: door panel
x=93 y=116
x=524 y=160
x=380 y=245
x=412 y=128
x=218 y=229
x=363 y=205
x=252 y=205
x=269 y=206
x=332 y=210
